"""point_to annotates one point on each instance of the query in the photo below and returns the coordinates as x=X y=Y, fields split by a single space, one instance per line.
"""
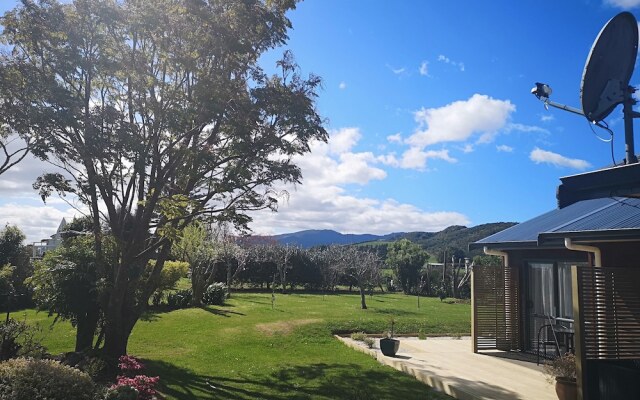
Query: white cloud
x=457 y=122
x=468 y=148
x=504 y=148
x=334 y=163
x=623 y=3
x=424 y=68
x=323 y=202
x=416 y=158
x=343 y=140
x=543 y=156
x=396 y=138
x=332 y=208
x=388 y=159
x=526 y=128
x=342 y=85
x=447 y=60
x=547 y=117
x=397 y=71
x=36 y=222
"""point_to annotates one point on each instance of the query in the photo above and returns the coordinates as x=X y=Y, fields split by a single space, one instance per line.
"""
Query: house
x=570 y=281
x=38 y=249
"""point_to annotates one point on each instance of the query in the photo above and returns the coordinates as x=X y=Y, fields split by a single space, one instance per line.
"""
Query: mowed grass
x=247 y=350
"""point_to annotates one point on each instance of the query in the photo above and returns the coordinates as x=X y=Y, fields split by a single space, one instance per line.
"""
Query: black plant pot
x=389 y=347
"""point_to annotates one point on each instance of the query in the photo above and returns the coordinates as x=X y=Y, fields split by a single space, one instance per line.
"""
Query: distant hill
x=459 y=237
x=310 y=238
x=453 y=237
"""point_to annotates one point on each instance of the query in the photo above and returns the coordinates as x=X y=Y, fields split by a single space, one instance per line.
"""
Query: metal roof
x=605 y=215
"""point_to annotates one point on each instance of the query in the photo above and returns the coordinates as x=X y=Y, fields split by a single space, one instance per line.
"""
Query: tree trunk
x=85 y=330
x=229 y=279
x=197 y=287
x=116 y=339
x=362 y=298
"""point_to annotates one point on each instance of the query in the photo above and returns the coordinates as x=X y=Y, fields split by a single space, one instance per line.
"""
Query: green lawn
x=246 y=350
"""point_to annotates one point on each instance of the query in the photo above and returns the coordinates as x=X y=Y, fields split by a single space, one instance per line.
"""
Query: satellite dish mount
x=605 y=80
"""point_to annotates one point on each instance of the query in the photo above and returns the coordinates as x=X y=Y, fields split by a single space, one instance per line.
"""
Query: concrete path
x=450 y=366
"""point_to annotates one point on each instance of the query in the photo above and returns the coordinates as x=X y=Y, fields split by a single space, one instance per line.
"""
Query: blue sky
x=431 y=118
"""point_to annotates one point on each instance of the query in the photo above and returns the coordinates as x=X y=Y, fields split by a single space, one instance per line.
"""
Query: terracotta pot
x=389 y=347
x=566 y=388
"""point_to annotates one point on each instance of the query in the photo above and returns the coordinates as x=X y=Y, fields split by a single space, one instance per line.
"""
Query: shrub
x=369 y=342
x=143 y=386
x=215 y=294
x=23 y=378
x=169 y=277
x=562 y=367
x=359 y=336
x=421 y=334
x=19 y=339
x=122 y=393
x=180 y=299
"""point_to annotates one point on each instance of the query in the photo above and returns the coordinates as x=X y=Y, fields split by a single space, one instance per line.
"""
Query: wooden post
x=474 y=321
x=578 y=326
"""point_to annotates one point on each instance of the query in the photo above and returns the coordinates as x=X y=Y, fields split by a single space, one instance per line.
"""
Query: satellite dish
x=611 y=61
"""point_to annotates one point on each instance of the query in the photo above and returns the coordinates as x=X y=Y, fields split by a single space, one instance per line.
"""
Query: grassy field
x=247 y=350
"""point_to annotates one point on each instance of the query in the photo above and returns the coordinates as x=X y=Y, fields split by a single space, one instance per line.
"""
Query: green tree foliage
x=197 y=247
x=406 y=259
x=15 y=266
x=169 y=277
x=66 y=283
x=159 y=113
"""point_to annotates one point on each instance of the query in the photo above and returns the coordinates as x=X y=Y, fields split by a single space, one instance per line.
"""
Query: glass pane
x=541 y=298
x=565 y=306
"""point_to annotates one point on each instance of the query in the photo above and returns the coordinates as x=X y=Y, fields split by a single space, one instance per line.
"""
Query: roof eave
x=608 y=235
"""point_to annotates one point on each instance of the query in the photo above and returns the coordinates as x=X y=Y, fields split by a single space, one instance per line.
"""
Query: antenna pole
x=628 y=125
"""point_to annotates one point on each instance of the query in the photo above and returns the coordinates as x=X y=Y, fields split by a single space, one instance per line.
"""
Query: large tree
x=406 y=258
x=157 y=112
x=362 y=266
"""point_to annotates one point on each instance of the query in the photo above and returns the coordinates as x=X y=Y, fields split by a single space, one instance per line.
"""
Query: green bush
x=169 y=277
x=19 y=339
x=180 y=299
x=359 y=336
x=215 y=294
x=369 y=342
x=23 y=378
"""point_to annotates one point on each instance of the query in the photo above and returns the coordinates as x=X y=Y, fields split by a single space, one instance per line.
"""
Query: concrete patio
x=450 y=366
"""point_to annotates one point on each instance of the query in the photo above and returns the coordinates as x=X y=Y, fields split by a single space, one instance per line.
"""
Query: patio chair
x=547 y=336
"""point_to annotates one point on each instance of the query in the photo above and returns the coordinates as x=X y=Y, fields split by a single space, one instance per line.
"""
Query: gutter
x=491 y=252
x=591 y=249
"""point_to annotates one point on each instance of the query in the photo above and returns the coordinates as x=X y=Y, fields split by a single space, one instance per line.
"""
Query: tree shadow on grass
x=221 y=312
x=316 y=381
x=395 y=313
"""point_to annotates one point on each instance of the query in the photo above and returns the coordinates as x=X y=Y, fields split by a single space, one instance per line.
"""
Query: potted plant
x=562 y=371
x=388 y=345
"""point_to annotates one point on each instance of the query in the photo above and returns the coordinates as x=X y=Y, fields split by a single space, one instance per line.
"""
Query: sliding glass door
x=549 y=294
x=541 y=298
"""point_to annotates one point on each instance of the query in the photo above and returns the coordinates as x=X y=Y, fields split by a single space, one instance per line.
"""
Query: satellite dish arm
x=542 y=91
x=574 y=110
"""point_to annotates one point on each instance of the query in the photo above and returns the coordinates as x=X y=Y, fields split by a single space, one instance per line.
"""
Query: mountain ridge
x=455 y=236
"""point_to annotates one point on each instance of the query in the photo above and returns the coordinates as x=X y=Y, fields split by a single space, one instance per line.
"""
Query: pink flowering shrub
x=130 y=364
x=143 y=384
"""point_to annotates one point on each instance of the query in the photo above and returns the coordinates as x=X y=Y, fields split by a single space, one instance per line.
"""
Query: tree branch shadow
x=340 y=381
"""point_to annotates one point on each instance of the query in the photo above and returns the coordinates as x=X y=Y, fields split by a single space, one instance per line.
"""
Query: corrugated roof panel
x=624 y=213
x=551 y=221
